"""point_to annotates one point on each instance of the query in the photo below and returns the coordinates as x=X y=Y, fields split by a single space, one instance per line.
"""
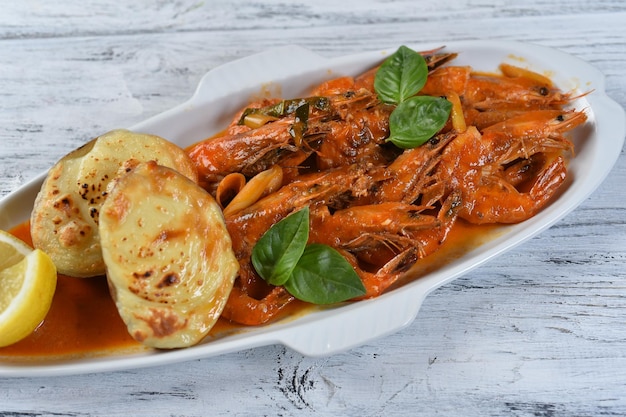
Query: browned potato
x=168 y=254
x=64 y=221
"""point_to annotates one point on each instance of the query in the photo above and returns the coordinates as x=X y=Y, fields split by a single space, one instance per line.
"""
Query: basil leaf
x=418 y=119
x=324 y=276
x=277 y=252
x=400 y=76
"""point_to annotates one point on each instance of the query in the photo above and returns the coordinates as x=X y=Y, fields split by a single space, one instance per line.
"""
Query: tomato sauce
x=462 y=238
x=83 y=320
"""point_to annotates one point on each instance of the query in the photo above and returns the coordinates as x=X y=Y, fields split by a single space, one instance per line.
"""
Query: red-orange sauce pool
x=83 y=320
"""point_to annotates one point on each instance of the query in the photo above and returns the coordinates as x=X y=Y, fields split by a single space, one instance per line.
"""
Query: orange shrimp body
x=407 y=235
x=479 y=165
x=358 y=141
x=411 y=173
x=486 y=92
x=253 y=301
x=245 y=309
x=446 y=79
x=250 y=152
x=497 y=201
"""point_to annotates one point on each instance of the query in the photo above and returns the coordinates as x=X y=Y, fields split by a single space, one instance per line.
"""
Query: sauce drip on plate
x=83 y=320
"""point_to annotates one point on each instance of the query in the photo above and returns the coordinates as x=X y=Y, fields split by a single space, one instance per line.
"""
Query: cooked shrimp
x=248 y=152
x=358 y=140
x=479 y=165
x=410 y=174
x=445 y=79
x=500 y=158
x=243 y=308
x=391 y=236
x=254 y=299
x=489 y=92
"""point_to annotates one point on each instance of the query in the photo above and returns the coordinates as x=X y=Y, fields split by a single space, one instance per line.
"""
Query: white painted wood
x=540 y=331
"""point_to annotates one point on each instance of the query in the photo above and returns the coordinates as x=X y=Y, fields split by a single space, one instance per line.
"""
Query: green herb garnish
x=276 y=254
x=324 y=276
x=416 y=118
x=400 y=76
x=300 y=124
x=285 y=107
x=313 y=273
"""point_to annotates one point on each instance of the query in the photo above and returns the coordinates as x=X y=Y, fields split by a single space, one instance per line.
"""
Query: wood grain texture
x=540 y=331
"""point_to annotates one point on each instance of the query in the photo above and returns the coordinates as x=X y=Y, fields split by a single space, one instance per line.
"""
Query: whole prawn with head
x=381 y=240
x=510 y=171
x=379 y=206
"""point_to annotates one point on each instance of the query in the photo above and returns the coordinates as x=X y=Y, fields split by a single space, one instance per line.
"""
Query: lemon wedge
x=27 y=284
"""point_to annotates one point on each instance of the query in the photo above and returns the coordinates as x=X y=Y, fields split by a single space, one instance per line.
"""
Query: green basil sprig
x=416 y=118
x=313 y=273
x=400 y=76
x=276 y=254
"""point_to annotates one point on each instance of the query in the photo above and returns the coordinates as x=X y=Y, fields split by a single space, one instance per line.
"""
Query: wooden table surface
x=540 y=331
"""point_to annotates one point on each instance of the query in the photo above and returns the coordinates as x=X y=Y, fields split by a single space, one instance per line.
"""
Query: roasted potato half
x=64 y=221
x=169 y=257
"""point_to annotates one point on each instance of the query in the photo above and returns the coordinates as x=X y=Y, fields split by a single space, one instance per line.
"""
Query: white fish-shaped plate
x=292 y=71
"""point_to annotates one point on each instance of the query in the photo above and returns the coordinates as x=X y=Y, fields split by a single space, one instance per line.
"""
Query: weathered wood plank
x=35 y=19
x=540 y=331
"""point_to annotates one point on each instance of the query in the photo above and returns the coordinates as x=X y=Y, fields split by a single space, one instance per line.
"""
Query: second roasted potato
x=169 y=257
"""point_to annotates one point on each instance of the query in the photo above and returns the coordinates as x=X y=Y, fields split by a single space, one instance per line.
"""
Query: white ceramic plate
x=291 y=71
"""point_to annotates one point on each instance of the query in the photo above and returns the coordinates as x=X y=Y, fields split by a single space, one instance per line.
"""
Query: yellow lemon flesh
x=27 y=284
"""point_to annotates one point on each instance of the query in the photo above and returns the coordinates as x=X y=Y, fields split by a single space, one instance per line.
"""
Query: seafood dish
x=320 y=214
x=499 y=158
